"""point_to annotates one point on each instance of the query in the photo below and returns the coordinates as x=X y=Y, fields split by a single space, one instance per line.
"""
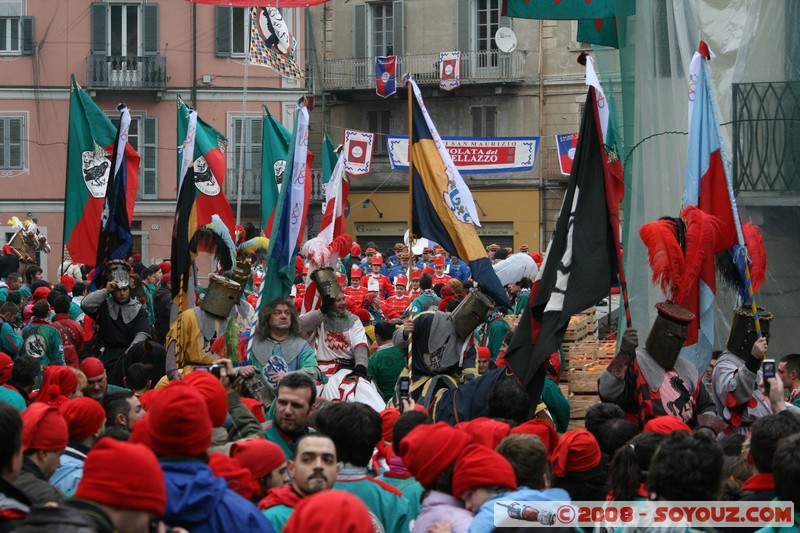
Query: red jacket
x=71 y=337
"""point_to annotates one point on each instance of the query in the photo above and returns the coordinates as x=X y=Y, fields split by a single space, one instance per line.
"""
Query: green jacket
x=384 y=368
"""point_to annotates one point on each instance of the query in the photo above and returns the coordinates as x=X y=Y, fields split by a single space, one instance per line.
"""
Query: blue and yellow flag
x=443 y=208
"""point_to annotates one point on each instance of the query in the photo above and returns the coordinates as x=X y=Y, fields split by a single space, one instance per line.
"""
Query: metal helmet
x=668 y=333
x=241 y=273
x=743 y=330
x=222 y=294
x=471 y=312
x=327 y=284
x=119 y=271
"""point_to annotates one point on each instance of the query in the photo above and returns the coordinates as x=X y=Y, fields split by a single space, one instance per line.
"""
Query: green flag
x=274 y=156
x=598 y=31
x=329 y=158
x=559 y=10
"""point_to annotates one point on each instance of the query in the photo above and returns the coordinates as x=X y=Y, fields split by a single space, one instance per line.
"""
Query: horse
x=26 y=241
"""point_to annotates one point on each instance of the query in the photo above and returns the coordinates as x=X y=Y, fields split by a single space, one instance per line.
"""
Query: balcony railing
x=766 y=126
x=126 y=72
x=251 y=186
x=482 y=66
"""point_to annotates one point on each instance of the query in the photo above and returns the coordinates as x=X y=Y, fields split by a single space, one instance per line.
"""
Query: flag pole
x=241 y=146
x=72 y=87
x=410 y=157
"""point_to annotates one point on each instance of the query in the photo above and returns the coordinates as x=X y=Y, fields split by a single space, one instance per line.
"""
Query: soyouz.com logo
x=509 y=513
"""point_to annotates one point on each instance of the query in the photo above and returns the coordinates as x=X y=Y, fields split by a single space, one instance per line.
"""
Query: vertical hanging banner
x=449 y=70
x=271 y=44
x=358 y=151
x=566 y=143
x=386 y=76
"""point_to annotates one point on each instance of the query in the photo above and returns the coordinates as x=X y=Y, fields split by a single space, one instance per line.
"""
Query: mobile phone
x=768 y=368
x=404 y=390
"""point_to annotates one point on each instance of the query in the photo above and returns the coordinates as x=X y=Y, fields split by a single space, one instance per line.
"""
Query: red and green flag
x=89 y=151
x=329 y=158
x=598 y=31
x=208 y=170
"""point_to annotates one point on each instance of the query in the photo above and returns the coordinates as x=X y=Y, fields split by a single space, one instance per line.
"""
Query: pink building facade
x=144 y=54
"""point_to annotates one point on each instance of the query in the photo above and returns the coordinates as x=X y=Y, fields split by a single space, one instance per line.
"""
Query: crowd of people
x=379 y=401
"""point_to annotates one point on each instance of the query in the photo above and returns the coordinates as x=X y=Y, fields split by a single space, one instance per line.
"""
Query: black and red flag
x=581 y=263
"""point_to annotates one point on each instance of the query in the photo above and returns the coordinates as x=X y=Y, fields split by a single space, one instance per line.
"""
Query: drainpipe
x=194 y=55
x=542 y=177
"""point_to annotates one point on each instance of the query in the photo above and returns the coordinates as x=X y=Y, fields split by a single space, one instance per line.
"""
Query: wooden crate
x=564 y=386
x=576 y=386
x=579 y=363
x=575 y=423
x=579 y=404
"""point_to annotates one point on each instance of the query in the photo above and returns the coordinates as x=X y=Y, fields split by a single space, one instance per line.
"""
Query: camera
x=215 y=369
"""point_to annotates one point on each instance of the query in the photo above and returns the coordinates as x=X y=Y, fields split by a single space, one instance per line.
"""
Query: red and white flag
x=358 y=152
x=333 y=213
x=449 y=70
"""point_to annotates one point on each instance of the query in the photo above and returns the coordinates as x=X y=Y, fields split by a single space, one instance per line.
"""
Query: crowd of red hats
x=196 y=455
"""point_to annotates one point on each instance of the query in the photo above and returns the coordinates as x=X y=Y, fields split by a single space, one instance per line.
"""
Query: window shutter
x=398 y=26
x=149 y=156
x=360 y=31
x=150 y=15
x=477 y=122
x=463 y=29
x=222 y=27
x=99 y=28
x=27 y=46
x=256 y=130
x=490 y=121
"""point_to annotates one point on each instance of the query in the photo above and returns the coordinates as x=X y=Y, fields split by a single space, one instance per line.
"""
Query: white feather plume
x=516 y=267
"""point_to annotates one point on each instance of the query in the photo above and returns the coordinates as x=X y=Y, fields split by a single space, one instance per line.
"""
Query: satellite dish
x=417 y=246
x=505 y=39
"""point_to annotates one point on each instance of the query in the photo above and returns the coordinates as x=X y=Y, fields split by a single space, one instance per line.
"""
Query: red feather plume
x=758 y=255
x=665 y=257
x=702 y=234
x=341 y=245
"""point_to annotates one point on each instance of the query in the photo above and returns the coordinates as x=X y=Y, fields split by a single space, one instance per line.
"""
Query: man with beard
x=313 y=468
x=279 y=347
x=294 y=404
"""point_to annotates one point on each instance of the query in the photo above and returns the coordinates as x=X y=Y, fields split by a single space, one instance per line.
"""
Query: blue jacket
x=68 y=475
x=201 y=502
x=484 y=518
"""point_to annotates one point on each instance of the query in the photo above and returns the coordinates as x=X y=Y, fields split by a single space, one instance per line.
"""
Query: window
x=143 y=137
x=378 y=29
x=484 y=121
x=12 y=143
x=477 y=22
x=232 y=31
x=379 y=123
x=381 y=34
x=249 y=161
x=124 y=31
x=16 y=31
x=253 y=128
x=125 y=46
